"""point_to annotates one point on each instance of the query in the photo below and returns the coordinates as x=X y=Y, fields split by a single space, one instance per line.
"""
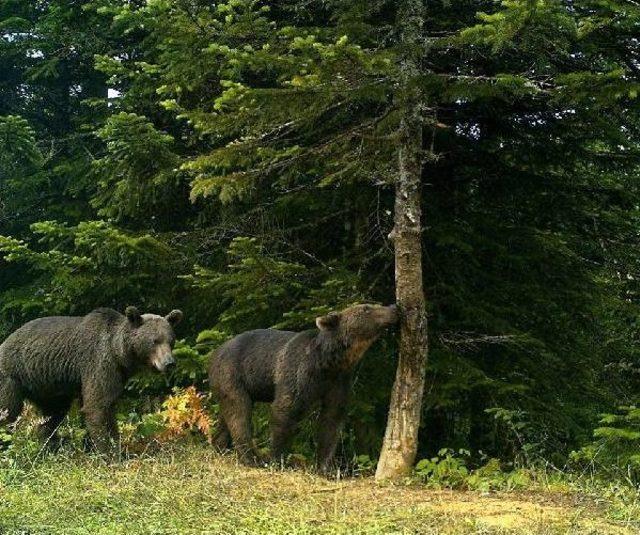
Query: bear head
x=357 y=327
x=152 y=337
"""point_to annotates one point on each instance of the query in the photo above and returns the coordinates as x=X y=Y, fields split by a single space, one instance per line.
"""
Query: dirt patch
x=516 y=512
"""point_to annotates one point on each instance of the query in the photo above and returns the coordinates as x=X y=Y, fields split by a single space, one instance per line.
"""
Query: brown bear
x=293 y=371
x=52 y=361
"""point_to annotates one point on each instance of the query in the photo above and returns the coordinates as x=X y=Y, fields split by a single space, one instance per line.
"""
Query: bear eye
x=157 y=340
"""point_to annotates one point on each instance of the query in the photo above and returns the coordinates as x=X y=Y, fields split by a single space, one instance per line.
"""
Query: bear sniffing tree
x=293 y=371
x=52 y=361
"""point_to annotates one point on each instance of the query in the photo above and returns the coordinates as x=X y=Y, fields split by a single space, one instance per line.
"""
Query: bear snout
x=164 y=364
x=391 y=315
x=163 y=359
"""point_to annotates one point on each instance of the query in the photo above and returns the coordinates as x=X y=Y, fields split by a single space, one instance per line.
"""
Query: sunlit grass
x=190 y=489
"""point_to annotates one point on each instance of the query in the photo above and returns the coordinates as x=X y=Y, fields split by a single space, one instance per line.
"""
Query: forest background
x=237 y=160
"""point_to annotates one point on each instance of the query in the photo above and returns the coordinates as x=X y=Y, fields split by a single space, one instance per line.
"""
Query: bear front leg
x=332 y=417
x=99 y=395
x=102 y=428
x=222 y=437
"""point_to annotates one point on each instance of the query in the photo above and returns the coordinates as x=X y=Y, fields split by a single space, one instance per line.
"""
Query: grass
x=192 y=490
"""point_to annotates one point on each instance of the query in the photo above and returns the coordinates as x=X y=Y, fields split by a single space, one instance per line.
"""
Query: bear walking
x=292 y=371
x=52 y=361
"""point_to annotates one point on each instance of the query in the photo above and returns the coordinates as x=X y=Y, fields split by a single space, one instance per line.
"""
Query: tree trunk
x=401 y=438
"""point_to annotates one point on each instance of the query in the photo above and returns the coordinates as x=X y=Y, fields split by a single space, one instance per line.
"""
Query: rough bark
x=401 y=437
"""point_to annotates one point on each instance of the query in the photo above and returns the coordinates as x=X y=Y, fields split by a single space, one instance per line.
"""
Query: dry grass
x=191 y=490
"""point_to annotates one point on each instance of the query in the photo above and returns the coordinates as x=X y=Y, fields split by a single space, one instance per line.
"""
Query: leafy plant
x=616 y=445
x=183 y=413
x=447 y=469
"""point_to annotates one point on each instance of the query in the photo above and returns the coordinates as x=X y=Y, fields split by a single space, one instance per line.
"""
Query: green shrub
x=449 y=469
x=616 y=445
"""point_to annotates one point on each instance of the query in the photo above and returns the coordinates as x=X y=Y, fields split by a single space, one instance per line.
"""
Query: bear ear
x=328 y=322
x=174 y=317
x=133 y=315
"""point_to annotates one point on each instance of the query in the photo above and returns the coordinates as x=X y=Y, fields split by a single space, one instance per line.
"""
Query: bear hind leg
x=49 y=428
x=284 y=423
x=11 y=401
x=235 y=408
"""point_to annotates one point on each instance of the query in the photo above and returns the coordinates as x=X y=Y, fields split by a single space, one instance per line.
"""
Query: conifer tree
x=250 y=150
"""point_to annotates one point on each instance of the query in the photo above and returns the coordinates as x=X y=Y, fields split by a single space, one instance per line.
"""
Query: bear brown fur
x=293 y=371
x=52 y=361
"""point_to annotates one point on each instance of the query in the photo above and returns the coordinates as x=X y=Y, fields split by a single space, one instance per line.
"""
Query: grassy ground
x=191 y=490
